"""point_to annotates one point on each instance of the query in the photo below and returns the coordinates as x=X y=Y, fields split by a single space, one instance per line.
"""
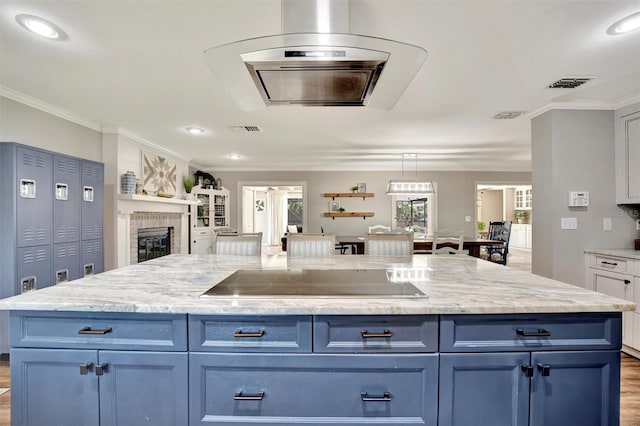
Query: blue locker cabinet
x=45 y=222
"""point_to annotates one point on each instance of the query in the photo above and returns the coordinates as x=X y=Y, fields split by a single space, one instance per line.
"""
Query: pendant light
x=407 y=186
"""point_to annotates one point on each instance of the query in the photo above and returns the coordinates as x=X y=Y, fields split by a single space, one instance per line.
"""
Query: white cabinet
x=211 y=213
x=520 y=237
x=523 y=198
x=628 y=155
x=618 y=277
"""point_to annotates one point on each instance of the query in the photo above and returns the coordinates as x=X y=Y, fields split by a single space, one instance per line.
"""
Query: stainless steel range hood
x=315 y=68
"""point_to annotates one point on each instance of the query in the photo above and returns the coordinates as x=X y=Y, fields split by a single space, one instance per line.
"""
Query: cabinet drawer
x=609 y=263
x=363 y=333
x=285 y=333
x=87 y=330
x=313 y=389
x=493 y=333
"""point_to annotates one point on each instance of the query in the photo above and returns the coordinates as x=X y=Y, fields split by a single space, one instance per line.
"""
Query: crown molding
x=587 y=105
x=121 y=131
x=48 y=108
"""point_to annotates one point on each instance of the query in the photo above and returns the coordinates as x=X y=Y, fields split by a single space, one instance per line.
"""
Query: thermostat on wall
x=578 y=199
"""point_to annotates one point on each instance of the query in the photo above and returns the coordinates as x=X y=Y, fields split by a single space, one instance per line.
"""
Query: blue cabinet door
x=34 y=268
x=575 y=388
x=92 y=259
x=484 y=389
x=92 y=199
x=49 y=387
x=143 y=388
x=67 y=194
x=33 y=180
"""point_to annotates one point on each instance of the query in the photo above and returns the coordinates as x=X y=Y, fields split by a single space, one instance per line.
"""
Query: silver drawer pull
x=604 y=262
x=88 y=330
x=240 y=333
x=366 y=398
x=540 y=333
x=240 y=397
x=385 y=333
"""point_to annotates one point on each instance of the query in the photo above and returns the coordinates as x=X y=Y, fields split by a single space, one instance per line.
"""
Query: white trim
x=586 y=105
x=48 y=108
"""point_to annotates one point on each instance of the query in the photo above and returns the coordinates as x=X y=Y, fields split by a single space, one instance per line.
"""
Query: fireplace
x=153 y=242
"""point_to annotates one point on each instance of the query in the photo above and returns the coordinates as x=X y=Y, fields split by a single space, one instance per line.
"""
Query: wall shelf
x=333 y=215
x=334 y=195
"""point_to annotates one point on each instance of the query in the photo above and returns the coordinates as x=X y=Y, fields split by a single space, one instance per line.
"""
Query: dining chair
x=500 y=231
x=389 y=244
x=317 y=245
x=379 y=229
x=246 y=244
x=449 y=245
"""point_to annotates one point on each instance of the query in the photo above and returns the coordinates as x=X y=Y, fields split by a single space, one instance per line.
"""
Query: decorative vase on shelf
x=129 y=183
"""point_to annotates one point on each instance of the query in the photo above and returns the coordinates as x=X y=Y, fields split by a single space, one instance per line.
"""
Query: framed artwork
x=158 y=174
x=362 y=187
x=260 y=205
x=334 y=206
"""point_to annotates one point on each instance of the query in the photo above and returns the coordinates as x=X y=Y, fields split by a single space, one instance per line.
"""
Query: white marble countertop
x=452 y=284
x=628 y=253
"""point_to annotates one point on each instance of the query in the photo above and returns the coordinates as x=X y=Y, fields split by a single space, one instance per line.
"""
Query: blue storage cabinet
x=46 y=230
x=537 y=370
x=98 y=369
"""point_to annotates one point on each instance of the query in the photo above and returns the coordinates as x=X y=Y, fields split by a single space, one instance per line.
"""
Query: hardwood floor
x=629 y=392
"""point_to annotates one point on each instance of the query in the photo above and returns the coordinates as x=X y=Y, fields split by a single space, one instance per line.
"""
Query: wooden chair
x=389 y=244
x=247 y=244
x=316 y=245
x=449 y=245
x=499 y=231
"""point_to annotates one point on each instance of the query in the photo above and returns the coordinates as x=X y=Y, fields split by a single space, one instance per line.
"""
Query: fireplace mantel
x=128 y=205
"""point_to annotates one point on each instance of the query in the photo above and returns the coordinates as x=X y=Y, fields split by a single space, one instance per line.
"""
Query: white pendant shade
x=409 y=187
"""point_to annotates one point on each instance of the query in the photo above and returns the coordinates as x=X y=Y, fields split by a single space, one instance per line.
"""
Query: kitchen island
x=477 y=344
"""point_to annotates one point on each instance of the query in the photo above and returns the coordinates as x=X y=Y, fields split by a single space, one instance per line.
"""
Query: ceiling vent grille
x=508 y=115
x=569 y=82
x=245 y=128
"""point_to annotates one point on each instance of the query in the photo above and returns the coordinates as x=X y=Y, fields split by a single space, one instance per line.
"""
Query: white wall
x=574 y=151
x=456 y=196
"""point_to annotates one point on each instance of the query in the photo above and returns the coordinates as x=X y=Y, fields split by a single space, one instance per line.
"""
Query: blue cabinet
x=534 y=381
x=66 y=199
x=74 y=368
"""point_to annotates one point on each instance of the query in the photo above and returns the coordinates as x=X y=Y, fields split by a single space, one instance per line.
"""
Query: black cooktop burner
x=313 y=282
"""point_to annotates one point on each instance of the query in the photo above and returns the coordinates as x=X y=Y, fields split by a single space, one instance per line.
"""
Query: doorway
x=514 y=202
x=270 y=207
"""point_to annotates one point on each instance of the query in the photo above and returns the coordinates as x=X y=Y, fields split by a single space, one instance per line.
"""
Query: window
x=294 y=209
x=409 y=211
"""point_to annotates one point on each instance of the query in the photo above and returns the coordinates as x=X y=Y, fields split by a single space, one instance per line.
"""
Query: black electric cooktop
x=312 y=282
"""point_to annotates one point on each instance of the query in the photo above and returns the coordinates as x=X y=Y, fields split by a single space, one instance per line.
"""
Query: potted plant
x=481 y=226
x=354 y=188
x=341 y=210
x=521 y=216
x=187 y=182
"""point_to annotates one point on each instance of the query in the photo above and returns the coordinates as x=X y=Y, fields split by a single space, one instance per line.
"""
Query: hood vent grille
x=508 y=115
x=570 y=82
x=245 y=128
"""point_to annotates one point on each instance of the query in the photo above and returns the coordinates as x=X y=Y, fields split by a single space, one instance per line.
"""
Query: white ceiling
x=138 y=65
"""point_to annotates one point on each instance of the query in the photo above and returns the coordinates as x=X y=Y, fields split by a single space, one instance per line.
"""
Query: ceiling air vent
x=508 y=115
x=570 y=82
x=245 y=128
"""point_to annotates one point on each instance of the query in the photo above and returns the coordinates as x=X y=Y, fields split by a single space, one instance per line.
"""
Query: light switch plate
x=606 y=224
x=637 y=224
x=569 y=223
x=467 y=218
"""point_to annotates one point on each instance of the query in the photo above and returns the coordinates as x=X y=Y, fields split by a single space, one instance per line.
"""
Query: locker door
x=92 y=257
x=66 y=199
x=34 y=197
x=92 y=199
x=34 y=268
x=66 y=262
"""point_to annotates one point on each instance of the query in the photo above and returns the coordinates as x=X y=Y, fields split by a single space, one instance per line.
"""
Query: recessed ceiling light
x=625 y=25
x=195 y=130
x=234 y=156
x=40 y=26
